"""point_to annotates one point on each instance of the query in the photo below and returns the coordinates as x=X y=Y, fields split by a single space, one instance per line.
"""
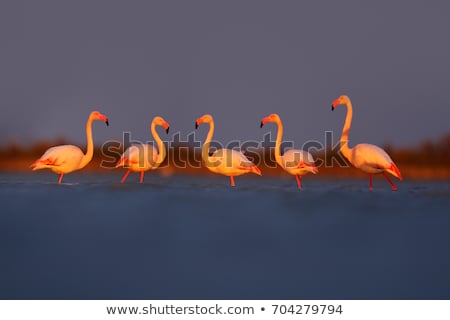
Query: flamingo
x=228 y=162
x=295 y=162
x=366 y=157
x=141 y=158
x=67 y=158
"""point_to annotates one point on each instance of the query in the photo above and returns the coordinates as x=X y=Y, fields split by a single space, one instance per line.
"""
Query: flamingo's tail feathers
x=41 y=164
x=314 y=169
x=255 y=170
x=121 y=162
x=394 y=171
x=34 y=165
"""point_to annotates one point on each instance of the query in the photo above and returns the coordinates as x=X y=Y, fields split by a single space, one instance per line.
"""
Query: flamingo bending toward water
x=144 y=157
x=67 y=158
x=366 y=157
x=295 y=162
x=228 y=162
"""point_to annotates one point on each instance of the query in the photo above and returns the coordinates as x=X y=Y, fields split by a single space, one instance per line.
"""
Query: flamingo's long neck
x=278 y=143
x=344 y=137
x=159 y=143
x=90 y=145
x=205 y=149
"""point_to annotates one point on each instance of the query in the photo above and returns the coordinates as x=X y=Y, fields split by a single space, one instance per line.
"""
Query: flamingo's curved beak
x=166 y=126
x=264 y=121
x=198 y=122
x=104 y=119
x=335 y=104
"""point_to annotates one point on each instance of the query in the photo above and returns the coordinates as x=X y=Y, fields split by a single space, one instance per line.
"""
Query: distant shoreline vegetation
x=428 y=160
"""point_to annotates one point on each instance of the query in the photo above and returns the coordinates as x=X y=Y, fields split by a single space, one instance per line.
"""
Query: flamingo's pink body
x=67 y=158
x=144 y=157
x=295 y=162
x=366 y=157
x=224 y=161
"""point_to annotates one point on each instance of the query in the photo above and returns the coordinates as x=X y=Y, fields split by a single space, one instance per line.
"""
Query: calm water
x=188 y=237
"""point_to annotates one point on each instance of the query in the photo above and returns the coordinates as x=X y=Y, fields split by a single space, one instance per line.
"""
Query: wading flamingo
x=144 y=157
x=295 y=162
x=67 y=158
x=366 y=157
x=228 y=162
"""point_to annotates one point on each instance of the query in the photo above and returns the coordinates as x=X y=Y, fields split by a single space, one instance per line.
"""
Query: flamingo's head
x=95 y=115
x=271 y=118
x=207 y=118
x=159 y=121
x=341 y=100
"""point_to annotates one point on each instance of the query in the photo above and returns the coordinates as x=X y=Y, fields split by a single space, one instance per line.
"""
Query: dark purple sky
x=238 y=60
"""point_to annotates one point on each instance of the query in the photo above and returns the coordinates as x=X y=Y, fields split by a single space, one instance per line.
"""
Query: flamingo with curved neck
x=295 y=162
x=144 y=157
x=228 y=162
x=366 y=157
x=67 y=158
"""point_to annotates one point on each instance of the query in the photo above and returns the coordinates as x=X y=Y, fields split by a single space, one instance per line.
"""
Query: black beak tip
x=107 y=122
x=261 y=125
x=167 y=130
x=332 y=108
x=196 y=125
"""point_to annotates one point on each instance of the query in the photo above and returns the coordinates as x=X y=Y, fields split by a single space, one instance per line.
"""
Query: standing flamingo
x=67 y=158
x=367 y=157
x=295 y=162
x=228 y=162
x=144 y=157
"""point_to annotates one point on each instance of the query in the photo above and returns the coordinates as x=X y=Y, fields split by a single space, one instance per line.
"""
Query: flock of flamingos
x=366 y=157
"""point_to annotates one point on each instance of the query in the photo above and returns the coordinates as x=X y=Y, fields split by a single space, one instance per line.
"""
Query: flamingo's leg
x=232 y=181
x=370 y=182
x=394 y=188
x=142 y=177
x=125 y=176
x=60 y=178
x=299 y=181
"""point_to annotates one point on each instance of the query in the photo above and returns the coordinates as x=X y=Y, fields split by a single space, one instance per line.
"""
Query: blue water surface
x=191 y=237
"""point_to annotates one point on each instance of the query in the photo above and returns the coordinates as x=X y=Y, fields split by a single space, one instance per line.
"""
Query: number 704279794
x=307 y=309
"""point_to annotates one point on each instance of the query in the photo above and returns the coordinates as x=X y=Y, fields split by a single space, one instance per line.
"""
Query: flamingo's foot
x=394 y=187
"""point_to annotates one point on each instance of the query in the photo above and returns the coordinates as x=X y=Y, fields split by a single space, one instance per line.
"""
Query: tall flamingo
x=141 y=158
x=366 y=157
x=295 y=162
x=228 y=162
x=67 y=158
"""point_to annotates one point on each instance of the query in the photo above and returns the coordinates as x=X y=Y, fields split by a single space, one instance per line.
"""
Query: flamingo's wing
x=371 y=155
x=59 y=156
x=294 y=158
x=231 y=162
x=240 y=158
x=138 y=154
x=128 y=156
x=232 y=158
x=244 y=163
